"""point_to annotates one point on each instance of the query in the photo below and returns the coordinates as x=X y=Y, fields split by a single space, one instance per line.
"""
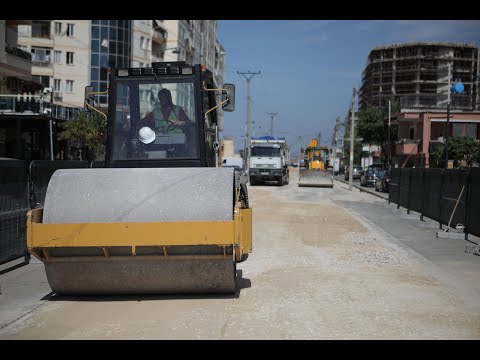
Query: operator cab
x=145 y=131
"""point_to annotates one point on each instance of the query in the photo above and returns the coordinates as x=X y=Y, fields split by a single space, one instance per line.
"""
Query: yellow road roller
x=314 y=174
x=160 y=216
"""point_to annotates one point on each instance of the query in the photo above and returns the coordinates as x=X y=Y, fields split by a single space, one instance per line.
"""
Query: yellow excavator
x=315 y=159
x=160 y=216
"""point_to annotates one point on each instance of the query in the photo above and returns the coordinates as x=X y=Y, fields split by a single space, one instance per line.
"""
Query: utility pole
x=352 y=131
x=335 y=129
x=272 y=115
x=389 y=159
x=300 y=141
x=448 y=117
x=248 y=75
x=50 y=125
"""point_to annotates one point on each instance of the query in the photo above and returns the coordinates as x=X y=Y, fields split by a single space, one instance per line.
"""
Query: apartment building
x=60 y=52
x=195 y=42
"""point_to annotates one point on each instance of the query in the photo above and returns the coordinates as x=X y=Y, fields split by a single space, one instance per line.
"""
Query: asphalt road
x=326 y=264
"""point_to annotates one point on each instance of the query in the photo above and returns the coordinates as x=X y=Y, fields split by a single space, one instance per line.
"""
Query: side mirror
x=89 y=98
x=229 y=95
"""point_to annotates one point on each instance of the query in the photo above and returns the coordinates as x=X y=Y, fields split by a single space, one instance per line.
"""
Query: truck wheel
x=252 y=181
x=288 y=180
x=280 y=181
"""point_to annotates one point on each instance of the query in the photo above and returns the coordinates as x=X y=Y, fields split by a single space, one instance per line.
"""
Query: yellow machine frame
x=312 y=152
x=237 y=233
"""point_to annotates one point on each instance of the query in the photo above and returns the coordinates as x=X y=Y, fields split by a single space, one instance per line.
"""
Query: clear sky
x=309 y=68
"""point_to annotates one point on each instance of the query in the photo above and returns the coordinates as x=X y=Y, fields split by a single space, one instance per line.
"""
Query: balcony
x=43 y=61
x=159 y=32
x=36 y=105
x=406 y=147
x=13 y=50
x=19 y=61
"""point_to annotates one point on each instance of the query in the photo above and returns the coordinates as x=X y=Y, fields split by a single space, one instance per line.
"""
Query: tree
x=372 y=128
x=86 y=133
x=459 y=149
x=463 y=149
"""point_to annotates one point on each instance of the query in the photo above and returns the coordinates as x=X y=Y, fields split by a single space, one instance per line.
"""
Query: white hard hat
x=146 y=135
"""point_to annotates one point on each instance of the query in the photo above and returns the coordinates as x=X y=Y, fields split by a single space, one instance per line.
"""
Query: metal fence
x=451 y=196
x=13 y=209
x=23 y=186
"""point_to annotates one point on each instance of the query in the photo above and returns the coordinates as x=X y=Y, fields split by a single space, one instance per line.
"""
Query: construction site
x=417 y=75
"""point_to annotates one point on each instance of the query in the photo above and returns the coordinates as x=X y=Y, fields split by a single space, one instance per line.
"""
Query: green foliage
x=463 y=148
x=357 y=151
x=371 y=124
x=86 y=132
x=437 y=154
x=460 y=149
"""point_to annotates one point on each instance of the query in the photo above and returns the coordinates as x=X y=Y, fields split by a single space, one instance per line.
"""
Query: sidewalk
x=370 y=190
x=22 y=291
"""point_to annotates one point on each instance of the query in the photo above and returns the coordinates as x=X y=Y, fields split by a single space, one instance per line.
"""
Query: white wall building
x=60 y=56
x=68 y=55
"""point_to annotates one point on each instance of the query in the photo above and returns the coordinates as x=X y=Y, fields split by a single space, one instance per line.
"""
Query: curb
x=364 y=190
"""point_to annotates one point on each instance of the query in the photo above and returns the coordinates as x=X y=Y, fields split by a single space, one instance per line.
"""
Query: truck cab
x=269 y=158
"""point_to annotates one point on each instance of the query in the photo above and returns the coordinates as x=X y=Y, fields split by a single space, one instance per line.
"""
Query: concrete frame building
x=416 y=75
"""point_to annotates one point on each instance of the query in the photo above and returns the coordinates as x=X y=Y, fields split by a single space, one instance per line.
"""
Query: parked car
x=368 y=177
x=379 y=177
x=356 y=171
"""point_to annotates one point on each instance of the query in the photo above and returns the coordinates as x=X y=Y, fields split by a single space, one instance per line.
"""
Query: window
x=144 y=43
x=41 y=29
x=457 y=129
x=58 y=28
x=69 y=86
x=69 y=58
x=44 y=80
x=70 y=29
x=40 y=55
x=58 y=57
x=57 y=85
x=472 y=130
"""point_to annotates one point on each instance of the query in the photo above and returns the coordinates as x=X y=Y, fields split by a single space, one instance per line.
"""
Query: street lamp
x=456 y=88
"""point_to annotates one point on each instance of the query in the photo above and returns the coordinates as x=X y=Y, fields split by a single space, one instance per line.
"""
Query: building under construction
x=416 y=75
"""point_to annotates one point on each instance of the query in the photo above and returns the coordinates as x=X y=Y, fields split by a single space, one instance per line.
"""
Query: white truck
x=269 y=159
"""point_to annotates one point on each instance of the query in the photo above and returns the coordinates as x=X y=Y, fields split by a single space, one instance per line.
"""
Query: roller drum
x=140 y=195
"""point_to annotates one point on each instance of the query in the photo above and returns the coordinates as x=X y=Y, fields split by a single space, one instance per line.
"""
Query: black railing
x=13 y=50
x=450 y=197
x=23 y=186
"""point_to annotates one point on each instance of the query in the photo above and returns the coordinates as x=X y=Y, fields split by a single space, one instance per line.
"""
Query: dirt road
x=318 y=271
